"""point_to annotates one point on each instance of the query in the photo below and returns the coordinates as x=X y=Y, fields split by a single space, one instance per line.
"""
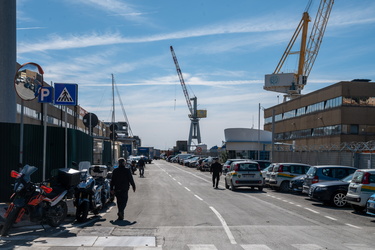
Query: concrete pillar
x=8 y=105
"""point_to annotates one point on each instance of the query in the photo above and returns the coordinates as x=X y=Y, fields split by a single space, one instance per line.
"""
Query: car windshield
x=247 y=167
x=357 y=177
x=347 y=178
x=311 y=171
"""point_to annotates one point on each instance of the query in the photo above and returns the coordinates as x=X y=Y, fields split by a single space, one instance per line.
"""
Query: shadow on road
x=122 y=222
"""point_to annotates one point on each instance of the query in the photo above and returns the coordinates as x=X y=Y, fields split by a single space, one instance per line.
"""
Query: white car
x=361 y=188
x=282 y=173
x=244 y=174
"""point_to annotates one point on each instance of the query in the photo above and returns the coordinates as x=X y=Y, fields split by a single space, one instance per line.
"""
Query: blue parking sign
x=66 y=94
x=45 y=95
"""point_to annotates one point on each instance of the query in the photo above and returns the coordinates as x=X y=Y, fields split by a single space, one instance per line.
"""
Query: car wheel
x=284 y=187
x=226 y=184
x=339 y=199
x=232 y=187
x=260 y=188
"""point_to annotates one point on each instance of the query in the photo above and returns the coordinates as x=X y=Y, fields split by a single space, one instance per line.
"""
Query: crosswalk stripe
x=307 y=246
x=255 y=247
x=201 y=247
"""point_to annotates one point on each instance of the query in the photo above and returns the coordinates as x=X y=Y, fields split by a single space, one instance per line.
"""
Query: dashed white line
x=179 y=183
x=199 y=198
x=187 y=189
x=311 y=210
x=329 y=217
x=350 y=225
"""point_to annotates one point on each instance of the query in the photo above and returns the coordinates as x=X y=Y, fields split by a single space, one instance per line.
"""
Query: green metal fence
x=80 y=148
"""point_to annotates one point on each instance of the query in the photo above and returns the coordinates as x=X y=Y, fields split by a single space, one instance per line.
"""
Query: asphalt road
x=175 y=207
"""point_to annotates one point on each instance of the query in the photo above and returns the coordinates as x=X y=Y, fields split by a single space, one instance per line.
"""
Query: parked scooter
x=100 y=174
x=87 y=197
x=93 y=192
x=42 y=203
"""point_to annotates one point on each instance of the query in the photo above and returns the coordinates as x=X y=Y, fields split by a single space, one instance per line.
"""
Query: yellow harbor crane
x=292 y=83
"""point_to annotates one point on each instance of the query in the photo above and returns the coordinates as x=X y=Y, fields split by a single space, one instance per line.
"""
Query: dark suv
x=325 y=173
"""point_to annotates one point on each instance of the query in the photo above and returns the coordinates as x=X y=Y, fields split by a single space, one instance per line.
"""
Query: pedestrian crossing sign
x=66 y=94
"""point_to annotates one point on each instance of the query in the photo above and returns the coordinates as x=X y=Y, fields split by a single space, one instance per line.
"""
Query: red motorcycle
x=43 y=204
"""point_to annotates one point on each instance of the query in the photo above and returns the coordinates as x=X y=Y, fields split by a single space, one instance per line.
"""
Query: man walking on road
x=121 y=180
x=141 y=165
x=216 y=170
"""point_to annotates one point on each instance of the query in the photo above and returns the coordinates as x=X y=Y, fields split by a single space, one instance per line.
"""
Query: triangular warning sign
x=65 y=96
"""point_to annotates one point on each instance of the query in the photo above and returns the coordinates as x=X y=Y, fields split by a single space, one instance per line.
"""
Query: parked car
x=282 y=173
x=296 y=183
x=331 y=192
x=189 y=161
x=361 y=187
x=182 y=157
x=371 y=205
x=325 y=173
x=244 y=174
x=267 y=174
x=227 y=163
x=206 y=164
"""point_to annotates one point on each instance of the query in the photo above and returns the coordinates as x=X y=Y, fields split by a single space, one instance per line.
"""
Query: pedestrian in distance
x=133 y=166
x=121 y=180
x=216 y=170
x=141 y=166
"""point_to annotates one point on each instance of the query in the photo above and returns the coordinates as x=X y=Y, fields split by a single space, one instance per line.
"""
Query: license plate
x=248 y=175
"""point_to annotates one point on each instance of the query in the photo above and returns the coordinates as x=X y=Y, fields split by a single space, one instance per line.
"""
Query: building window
x=354 y=129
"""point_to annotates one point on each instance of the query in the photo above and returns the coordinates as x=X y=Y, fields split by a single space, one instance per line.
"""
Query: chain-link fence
x=356 y=154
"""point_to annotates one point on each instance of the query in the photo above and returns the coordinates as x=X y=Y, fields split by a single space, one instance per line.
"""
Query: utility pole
x=8 y=104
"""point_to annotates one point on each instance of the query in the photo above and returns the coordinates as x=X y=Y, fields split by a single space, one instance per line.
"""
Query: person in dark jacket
x=141 y=166
x=216 y=170
x=121 y=180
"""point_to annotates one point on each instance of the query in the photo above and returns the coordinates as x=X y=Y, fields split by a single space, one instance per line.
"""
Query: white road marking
x=187 y=189
x=255 y=247
x=179 y=183
x=311 y=210
x=199 y=198
x=329 y=217
x=225 y=226
x=350 y=225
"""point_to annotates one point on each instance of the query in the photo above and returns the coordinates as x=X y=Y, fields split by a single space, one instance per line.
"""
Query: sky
x=224 y=49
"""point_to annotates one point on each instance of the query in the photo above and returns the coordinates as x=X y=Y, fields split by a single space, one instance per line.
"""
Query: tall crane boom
x=194 y=114
x=293 y=83
x=186 y=93
x=316 y=35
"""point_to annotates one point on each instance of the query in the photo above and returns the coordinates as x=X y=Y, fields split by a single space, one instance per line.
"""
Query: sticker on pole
x=66 y=93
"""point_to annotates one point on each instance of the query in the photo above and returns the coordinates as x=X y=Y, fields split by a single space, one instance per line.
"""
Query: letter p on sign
x=46 y=95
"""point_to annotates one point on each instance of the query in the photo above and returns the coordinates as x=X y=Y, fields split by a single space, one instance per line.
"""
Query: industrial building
x=247 y=143
x=342 y=112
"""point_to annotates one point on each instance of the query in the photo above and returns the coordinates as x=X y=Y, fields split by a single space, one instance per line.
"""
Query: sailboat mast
x=113 y=121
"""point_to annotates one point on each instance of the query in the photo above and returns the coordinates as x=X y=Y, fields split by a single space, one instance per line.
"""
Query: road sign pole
x=21 y=134
x=44 y=139
x=66 y=138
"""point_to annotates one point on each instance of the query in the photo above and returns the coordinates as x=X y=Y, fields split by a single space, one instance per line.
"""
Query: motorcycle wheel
x=82 y=212
x=12 y=216
x=58 y=215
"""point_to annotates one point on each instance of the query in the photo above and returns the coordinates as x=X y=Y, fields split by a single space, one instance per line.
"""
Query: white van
x=361 y=188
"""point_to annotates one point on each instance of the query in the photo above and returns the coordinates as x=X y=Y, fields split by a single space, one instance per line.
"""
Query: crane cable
x=308 y=6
